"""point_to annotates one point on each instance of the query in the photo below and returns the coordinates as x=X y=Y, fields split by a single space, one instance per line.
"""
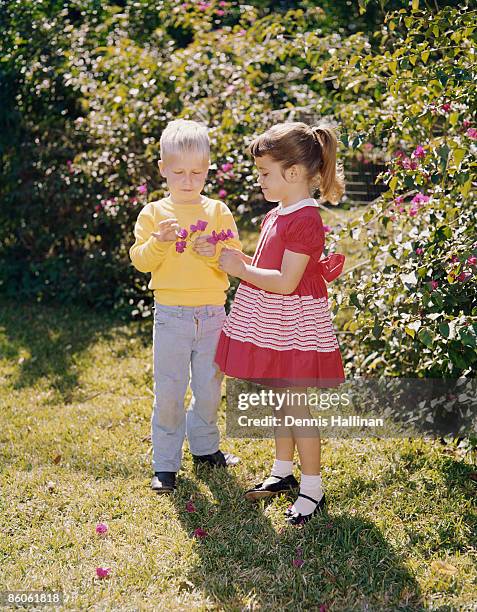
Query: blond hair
x=314 y=147
x=184 y=135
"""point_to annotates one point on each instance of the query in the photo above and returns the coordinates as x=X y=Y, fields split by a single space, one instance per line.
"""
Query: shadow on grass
x=244 y=561
x=53 y=337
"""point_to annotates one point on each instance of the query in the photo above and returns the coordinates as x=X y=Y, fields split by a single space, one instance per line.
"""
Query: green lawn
x=75 y=393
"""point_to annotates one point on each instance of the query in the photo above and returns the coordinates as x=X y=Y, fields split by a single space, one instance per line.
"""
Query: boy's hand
x=231 y=261
x=166 y=230
x=202 y=247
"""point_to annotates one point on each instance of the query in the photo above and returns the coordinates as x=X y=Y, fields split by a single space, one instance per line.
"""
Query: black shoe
x=218 y=459
x=288 y=483
x=295 y=518
x=163 y=482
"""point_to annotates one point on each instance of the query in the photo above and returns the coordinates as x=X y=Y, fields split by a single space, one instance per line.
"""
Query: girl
x=279 y=331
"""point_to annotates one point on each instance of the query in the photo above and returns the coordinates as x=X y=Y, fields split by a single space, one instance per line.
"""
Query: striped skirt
x=280 y=340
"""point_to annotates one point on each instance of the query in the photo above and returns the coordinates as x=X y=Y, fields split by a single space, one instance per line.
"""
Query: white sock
x=280 y=469
x=309 y=485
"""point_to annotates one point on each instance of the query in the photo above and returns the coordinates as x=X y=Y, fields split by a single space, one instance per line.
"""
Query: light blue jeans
x=184 y=343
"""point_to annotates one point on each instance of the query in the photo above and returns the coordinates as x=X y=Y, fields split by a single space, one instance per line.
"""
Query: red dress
x=284 y=340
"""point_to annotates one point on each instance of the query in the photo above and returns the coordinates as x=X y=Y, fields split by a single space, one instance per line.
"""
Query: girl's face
x=185 y=175
x=274 y=185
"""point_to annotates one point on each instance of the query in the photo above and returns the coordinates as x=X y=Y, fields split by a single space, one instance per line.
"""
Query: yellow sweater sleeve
x=225 y=222
x=147 y=253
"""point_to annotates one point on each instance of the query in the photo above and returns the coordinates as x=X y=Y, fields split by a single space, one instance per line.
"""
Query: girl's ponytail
x=331 y=176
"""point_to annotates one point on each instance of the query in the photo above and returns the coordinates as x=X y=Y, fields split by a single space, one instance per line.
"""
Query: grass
x=75 y=397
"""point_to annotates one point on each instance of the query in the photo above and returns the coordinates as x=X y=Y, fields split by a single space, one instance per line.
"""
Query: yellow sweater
x=183 y=279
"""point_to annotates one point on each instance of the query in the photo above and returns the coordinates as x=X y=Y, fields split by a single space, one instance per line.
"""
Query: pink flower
x=446 y=107
x=419 y=152
x=222 y=193
x=200 y=533
x=466 y=123
x=434 y=284
x=180 y=246
x=103 y=572
x=472 y=260
x=326 y=228
x=419 y=251
x=230 y=234
x=409 y=164
x=472 y=133
x=203 y=6
x=226 y=167
x=413 y=211
x=298 y=562
x=420 y=199
x=222 y=3
x=199 y=226
x=242 y=32
x=463 y=276
x=190 y=506
x=454 y=259
x=182 y=233
x=101 y=528
x=323 y=608
x=220 y=12
x=142 y=189
x=368 y=146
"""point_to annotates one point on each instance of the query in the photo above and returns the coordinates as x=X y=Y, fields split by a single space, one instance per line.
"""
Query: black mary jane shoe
x=295 y=518
x=261 y=491
x=218 y=459
x=163 y=482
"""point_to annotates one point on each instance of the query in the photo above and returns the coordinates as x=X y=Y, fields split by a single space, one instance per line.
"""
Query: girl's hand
x=239 y=253
x=202 y=247
x=231 y=261
x=166 y=231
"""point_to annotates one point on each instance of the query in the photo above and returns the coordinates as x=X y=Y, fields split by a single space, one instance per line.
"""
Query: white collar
x=293 y=207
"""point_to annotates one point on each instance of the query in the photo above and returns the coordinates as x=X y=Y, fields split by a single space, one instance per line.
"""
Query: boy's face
x=185 y=174
x=274 y=185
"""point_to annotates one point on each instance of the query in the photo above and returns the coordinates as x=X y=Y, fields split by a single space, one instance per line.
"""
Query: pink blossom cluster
x=224 y=172
x=222 y=235
x=200 y=226
x=410 y=163
x=416 y=203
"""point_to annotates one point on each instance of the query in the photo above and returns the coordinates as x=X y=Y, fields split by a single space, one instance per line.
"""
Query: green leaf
x=393 y=183
x=467 y=338
x=459 y=155
x=454 y=118
x=377 y=329
x=425 y=56
x=444 y=329
x=393 y=67
x=415 y=5
x=425 y=336
x=465 y=189
x=353 y=298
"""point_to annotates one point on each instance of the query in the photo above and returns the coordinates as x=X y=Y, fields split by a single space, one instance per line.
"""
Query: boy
x=189 y=292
